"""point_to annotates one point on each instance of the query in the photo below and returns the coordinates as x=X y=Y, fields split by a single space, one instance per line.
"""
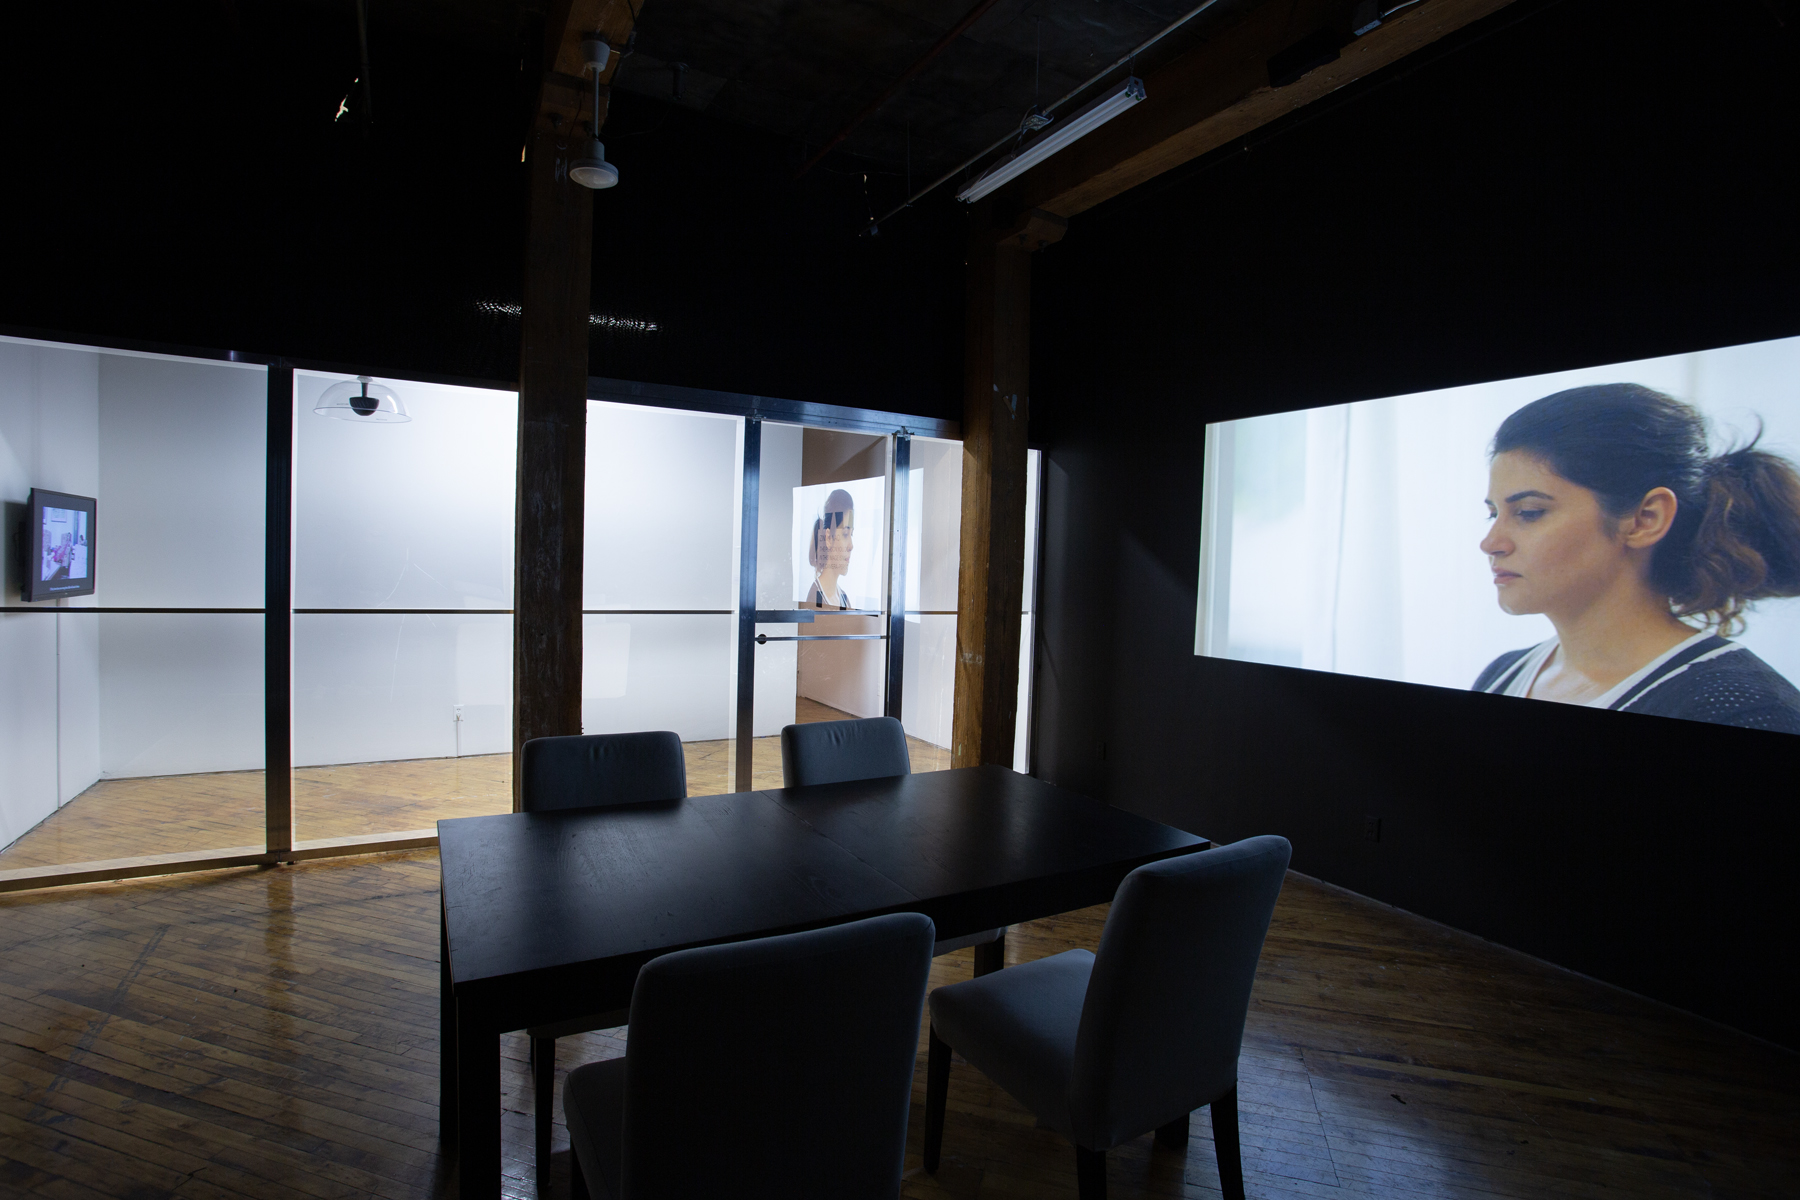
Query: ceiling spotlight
x=591 y=170
x=362 y=399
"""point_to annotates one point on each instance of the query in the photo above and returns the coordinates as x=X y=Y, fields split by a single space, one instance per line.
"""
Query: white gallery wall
x=49 y=672
x=180 y=524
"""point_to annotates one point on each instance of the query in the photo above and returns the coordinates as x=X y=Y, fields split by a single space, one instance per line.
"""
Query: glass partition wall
x=741 y=574
x=659 y=579
x=934 y=534
x=403 y=583
x=131 y=720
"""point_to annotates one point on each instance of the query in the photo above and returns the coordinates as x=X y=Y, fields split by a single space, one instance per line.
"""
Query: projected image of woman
x=1611 y=518
x=833 y=538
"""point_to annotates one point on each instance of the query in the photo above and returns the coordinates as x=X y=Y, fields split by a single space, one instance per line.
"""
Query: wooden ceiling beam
x=565 y=92
x=1219 y=90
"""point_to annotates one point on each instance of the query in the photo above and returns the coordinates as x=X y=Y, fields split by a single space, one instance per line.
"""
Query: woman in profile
x=1612 y=519
x=833 y=537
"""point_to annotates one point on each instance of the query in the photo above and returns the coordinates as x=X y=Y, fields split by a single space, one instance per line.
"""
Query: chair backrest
x=838 y=751
x=776 y=1067
x=1164 y=1015
x=601 y=769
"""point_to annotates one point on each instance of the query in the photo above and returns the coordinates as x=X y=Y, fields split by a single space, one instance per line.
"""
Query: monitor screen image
x=64 y=546
x=838 y=550
x=58 y=546
x=1624 y=537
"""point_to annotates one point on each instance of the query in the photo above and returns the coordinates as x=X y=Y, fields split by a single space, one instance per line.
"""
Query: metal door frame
x=899 y=465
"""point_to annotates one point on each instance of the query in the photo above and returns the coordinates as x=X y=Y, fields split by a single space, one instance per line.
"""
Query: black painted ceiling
x=802 y=68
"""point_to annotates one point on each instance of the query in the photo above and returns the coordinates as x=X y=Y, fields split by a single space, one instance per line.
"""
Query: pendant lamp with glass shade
x=362 y=399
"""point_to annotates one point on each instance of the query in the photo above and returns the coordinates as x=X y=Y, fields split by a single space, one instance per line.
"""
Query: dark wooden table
x=548 y=916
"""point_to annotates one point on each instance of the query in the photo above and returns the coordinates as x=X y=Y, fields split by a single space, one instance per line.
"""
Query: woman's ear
x=1651 y=522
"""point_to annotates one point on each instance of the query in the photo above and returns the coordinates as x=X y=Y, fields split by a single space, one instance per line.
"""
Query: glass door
x=828 y=525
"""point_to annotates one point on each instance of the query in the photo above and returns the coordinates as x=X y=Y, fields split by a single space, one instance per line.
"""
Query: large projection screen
x=1357 y=538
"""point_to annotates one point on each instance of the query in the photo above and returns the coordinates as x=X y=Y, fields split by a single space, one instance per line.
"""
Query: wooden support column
x=553 y=358
x=553 y=370
x=996 y=412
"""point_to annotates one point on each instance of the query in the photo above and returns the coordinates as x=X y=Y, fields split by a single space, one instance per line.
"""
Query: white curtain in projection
x=1353 y=531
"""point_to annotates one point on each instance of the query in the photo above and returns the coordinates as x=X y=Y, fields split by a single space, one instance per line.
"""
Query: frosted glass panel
x=662 y=501
x=934 y=528
x=659 y=672
x=182 y=451
x=403 y=718
x=157 y=742
x=413 y=515
x=400 y=720
x=377 y=687
x=934 y=537
x=930 y=679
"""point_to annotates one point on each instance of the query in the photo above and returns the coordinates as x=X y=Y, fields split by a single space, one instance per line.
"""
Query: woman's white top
x=1523 y=678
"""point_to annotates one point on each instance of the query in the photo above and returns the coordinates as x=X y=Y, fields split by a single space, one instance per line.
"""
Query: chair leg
x=543 y=1076
x=990 y=956
x=1174 y=1135
x=1090 y=1173
x=1225 y=1141
x=578 y=1189
x=937 y=1091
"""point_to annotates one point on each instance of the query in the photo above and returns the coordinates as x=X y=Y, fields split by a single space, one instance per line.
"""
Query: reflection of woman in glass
x=1611 y=519
x=832 y=540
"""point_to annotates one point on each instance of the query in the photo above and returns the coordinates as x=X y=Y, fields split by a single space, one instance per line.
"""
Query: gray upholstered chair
x=869 y=748
x=595 y=770
x=1106 y=1047
x=779 y=1067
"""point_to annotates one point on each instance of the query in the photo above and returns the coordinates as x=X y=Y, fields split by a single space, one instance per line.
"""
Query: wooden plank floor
x=272 y=1033
x=169 y=814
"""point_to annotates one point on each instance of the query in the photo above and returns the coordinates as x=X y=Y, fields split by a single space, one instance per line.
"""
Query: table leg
x=446 y=1038
x=991 y=956
x=477 y=1108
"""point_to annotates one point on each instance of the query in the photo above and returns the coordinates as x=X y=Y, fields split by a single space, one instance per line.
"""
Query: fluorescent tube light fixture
x=1070 y=129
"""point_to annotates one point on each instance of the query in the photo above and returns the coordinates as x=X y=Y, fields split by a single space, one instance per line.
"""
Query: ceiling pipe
x=875 y=105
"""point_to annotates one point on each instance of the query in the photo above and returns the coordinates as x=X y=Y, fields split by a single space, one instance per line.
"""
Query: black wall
x=1564 y=184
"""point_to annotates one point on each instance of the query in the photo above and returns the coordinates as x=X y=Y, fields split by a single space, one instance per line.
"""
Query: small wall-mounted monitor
x=59 y=545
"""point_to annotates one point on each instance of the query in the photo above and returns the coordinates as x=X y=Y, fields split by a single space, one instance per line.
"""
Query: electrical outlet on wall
x=458 y=711
x=1371 y=829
